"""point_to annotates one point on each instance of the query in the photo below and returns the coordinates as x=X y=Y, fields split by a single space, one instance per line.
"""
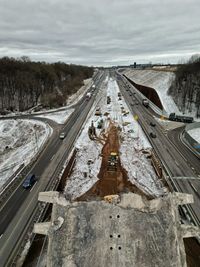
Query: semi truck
x=186 y=119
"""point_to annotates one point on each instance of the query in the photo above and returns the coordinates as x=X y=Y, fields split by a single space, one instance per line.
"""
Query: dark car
x=152 y=124
x=29 y=181
x=153 y=135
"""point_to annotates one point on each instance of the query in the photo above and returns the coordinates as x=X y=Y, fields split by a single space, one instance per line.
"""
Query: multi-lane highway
x=17 y=213
x=182 y=177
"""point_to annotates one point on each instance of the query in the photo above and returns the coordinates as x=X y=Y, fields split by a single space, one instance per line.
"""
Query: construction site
x=115 y=208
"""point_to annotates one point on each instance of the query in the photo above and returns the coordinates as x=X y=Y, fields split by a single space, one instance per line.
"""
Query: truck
x=185 y=119
x=112 y=162
x=145 y=102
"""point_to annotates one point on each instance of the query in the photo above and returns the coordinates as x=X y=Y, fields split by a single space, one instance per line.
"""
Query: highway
x=18 y=212
x=174 y=162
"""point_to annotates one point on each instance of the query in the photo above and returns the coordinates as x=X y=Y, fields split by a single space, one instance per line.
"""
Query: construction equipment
x=100 y=124
x=112 y=162
x=92 y=131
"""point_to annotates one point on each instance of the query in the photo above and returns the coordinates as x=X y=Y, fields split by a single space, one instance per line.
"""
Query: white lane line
x=33 y=186
x=52 y=157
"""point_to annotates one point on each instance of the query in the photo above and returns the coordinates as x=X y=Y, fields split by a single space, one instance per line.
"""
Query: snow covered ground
x=160 y=81
x=139 y=168
x=195 y=133
x=60 y=117
x=20 y=140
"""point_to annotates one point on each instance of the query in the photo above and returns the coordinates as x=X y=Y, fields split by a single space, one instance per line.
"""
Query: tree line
x=185 y=88
x=25 y=84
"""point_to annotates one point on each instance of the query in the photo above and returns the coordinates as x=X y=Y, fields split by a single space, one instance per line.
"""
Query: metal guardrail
x=170 y=181
x=151 y=104
x=40 y=208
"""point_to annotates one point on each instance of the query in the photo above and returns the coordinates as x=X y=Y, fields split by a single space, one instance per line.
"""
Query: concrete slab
x=128 y=232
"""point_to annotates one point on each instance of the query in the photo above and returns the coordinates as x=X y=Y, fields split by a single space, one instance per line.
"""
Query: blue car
x=29 y=181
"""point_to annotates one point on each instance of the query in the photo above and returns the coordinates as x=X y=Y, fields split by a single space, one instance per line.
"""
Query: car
x=29 y=181
x=152 y=135
x=137 y=103
x=152 y=124
x=62 y=135
x=130 y=94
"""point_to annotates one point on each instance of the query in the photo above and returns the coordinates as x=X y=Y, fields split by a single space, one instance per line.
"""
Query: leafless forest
x=185 y=89
x=25 y=84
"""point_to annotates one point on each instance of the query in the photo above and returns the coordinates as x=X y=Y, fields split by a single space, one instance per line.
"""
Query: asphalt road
x=186 y=178
x=18 y=212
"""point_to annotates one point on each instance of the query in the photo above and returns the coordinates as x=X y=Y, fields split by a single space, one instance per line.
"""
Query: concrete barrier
x=189 y=140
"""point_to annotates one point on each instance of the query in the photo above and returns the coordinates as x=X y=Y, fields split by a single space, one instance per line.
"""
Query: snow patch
x=20 y=141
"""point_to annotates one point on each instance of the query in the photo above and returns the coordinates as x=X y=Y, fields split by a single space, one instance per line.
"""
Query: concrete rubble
x=119 y=231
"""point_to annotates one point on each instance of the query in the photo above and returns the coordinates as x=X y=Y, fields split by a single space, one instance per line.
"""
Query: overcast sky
x=100 y=32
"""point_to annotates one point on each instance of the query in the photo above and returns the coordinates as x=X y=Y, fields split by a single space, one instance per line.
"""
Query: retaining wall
x=194 y=145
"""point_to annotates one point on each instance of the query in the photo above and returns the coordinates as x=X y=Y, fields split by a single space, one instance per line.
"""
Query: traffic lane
x=190 y=186
x=13 y=232
x=15 y=229
x=194 y=161
x=8 y=211
x=161 y=144
x=17 y=198
x=172 y=159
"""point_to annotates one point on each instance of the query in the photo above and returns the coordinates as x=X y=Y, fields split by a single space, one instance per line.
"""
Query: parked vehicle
x=145 y=102
x=29 y=181
x=174 y=117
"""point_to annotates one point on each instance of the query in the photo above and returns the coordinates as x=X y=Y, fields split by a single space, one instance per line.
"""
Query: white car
x=62 y=135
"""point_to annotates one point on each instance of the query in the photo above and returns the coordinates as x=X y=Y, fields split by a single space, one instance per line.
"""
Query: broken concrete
x=121 y=231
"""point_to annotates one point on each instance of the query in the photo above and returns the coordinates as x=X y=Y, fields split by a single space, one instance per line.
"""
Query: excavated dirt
x=110 y=182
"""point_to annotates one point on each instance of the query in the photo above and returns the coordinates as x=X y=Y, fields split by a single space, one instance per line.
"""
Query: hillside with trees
x=185 y=89
x=25 y=84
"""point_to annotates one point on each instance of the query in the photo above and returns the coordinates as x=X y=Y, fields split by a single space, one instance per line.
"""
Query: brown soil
x=114 y=182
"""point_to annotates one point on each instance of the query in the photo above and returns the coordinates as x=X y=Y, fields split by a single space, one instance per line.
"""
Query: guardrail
x=189 y=213
x=40 y=208
x=189 y=141
x=155 y=108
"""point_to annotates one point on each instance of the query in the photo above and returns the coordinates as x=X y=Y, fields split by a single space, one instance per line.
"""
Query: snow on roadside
x=60 y=117
x=160 y=81
x=84 y=175
x=195 y=134
x=140 y=171
x=139 y=168
x=73 y=99
x=20 y=140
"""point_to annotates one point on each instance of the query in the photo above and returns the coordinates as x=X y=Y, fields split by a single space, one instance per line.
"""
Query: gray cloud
x=100 y=32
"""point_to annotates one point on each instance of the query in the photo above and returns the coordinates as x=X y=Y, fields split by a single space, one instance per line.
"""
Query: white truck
x=145 y=102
